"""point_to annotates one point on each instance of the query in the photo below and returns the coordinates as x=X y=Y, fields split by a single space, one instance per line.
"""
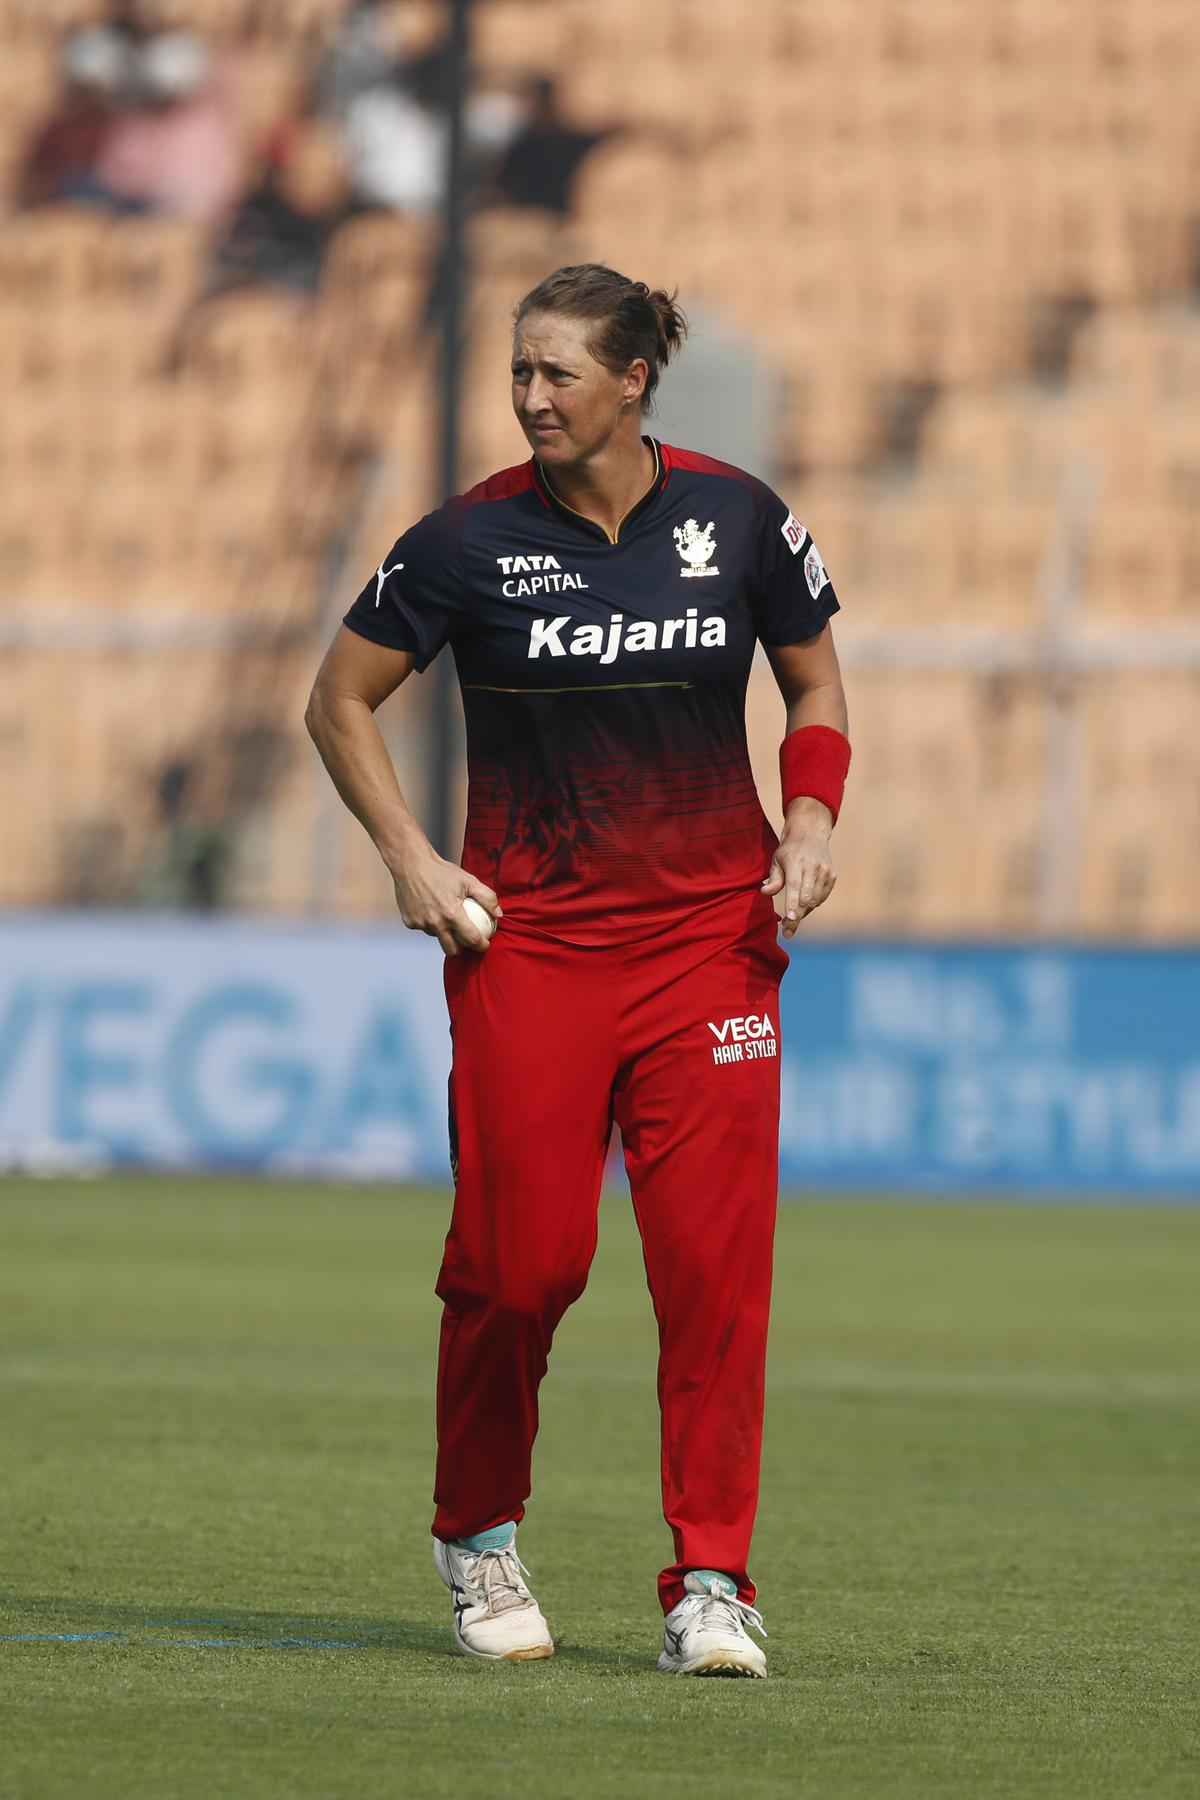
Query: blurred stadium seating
x=962 y=239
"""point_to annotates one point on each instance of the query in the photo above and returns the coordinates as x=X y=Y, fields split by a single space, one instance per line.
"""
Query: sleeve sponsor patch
x=794 y=534
x=815 y=571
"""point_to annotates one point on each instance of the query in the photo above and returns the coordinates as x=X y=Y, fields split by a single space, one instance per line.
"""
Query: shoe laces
x=498 y=1577
x=724 y=1611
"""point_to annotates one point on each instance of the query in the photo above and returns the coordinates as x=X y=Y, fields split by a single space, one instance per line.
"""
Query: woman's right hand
x=429 y=894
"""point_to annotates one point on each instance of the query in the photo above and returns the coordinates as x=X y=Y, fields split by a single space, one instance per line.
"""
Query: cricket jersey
x=604 y=683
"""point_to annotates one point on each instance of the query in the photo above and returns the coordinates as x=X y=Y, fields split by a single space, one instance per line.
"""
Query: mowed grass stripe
x=976 y=1544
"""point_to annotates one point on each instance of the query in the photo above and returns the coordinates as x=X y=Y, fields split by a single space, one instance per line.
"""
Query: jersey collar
x=589 y=525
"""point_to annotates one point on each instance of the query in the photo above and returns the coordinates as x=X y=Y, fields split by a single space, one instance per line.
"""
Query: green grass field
x=977 y=1551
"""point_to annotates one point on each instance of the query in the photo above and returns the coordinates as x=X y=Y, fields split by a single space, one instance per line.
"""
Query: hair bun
x=672 y=322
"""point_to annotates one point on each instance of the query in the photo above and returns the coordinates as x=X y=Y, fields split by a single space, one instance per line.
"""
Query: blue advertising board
x=177 y=1042
x=992 y=1068
x=168 y=1040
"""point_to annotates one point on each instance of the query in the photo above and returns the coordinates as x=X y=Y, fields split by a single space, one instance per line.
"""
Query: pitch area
x=976 y=1551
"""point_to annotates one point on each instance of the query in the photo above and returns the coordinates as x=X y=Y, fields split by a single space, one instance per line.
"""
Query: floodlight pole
x=452 y=284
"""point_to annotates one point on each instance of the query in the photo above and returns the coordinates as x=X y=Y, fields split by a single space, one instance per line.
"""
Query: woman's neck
x=608 y=486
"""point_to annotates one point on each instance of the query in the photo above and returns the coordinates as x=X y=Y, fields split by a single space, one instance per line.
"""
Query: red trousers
x=677 y=1039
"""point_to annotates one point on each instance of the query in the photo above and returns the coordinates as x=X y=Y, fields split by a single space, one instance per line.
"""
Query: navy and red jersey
x=604 y=684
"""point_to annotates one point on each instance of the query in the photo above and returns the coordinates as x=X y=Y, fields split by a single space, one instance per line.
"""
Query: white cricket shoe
x=706 y=1633
x=495 y=1615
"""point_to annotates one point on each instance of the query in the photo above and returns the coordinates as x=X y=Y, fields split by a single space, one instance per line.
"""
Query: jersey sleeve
x=415 y=598
x=796 y=598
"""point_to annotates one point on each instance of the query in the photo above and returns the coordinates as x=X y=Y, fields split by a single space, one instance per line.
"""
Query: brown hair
x=628 y=319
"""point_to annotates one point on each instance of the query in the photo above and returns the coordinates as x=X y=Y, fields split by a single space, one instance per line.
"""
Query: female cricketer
x=602 y=602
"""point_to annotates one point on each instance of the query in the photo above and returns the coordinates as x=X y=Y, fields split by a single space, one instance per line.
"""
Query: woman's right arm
x=355 y=678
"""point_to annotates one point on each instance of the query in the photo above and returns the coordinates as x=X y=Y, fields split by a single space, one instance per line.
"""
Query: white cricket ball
x=479 y=917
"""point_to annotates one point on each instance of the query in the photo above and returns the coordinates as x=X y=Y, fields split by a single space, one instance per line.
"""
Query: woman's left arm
x=811 y=684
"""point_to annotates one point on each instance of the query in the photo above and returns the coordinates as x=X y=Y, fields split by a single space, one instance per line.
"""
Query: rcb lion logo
x=696 y=547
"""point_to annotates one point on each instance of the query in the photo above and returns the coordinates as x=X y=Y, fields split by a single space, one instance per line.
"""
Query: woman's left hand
x=802 y=869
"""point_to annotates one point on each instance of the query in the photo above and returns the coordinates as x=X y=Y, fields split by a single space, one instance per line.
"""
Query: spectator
x=176 y=152
x=541 y=162
x=278 y=234
x=397 y=137
x=60 y=163
x=374 y=38
x=187 y=861
x=398 y=134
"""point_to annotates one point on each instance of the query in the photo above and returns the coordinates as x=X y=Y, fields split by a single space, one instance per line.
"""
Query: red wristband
x=813 y=761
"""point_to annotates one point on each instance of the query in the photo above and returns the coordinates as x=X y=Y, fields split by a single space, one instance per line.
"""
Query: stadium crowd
x=146 y=122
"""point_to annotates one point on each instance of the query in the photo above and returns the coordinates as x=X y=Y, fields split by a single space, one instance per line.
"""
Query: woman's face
x=568 y=404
